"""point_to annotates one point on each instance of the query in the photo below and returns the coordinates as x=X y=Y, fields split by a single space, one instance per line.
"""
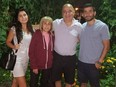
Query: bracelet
x=99 y=63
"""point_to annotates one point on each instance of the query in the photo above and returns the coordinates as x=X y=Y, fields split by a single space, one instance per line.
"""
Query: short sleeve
x=54 y=24
x=15 y=37
x=80 y=28
x=105 y=35
x=13 y=29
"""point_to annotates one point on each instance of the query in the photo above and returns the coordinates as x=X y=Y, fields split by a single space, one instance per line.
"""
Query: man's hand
x=98 y=65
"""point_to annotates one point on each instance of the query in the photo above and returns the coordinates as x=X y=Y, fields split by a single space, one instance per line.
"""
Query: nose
x=23 y=16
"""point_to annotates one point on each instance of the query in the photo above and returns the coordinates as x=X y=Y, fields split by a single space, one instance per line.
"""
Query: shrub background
x=38 y=8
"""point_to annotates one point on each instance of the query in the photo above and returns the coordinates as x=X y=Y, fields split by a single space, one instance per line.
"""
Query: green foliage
x=108 y=67
x=4 y=17
x=112 y=52
x=109 y=81
x=38 y=8
x=5 y=76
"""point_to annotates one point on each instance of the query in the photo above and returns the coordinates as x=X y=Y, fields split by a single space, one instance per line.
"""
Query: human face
x=68 y=13
x=46 y=26
x=22 y=17
x=89 y=13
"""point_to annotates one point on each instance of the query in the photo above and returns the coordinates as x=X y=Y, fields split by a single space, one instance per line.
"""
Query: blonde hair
x=45 y=18
x=70 y=6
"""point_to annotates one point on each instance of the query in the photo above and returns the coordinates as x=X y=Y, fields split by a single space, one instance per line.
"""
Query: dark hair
x=18 y=25
x=88 y=5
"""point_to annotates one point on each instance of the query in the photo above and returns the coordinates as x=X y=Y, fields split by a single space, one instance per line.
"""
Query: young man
x=94 y=45
x=67 y=31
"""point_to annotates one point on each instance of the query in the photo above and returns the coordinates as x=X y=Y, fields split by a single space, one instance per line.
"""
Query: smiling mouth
x=88 y=17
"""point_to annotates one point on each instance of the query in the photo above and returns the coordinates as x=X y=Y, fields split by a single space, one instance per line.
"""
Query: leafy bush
x=108 y=71
x=38 y=8
x=109 y=81
x=5 y=77
x=108 y=66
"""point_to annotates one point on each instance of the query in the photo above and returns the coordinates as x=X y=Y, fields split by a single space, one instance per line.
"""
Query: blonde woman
x=41 y=54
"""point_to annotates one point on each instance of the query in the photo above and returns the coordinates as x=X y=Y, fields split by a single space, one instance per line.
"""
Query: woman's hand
x=17 y=46
x=35 y=71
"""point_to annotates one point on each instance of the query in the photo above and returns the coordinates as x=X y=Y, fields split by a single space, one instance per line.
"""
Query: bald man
x=67 y=31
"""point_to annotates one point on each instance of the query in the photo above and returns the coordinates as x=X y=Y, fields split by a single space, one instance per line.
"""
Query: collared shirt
x=66 y=37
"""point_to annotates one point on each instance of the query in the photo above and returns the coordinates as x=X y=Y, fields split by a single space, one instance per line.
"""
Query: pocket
x=74 y=33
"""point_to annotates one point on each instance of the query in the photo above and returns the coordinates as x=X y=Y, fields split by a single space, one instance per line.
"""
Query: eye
x=20 y=15
x=69 y=11
x=24 y=14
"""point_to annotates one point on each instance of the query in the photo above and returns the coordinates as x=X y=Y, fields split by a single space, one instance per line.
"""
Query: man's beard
x=90 y=19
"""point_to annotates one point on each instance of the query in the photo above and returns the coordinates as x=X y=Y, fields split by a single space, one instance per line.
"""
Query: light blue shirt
x=91 y=38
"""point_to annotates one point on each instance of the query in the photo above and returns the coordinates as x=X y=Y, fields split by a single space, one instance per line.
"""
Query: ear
x=82 y=14
x=95 y=13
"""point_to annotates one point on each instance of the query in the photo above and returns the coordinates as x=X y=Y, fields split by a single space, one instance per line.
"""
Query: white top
x=24 y=44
